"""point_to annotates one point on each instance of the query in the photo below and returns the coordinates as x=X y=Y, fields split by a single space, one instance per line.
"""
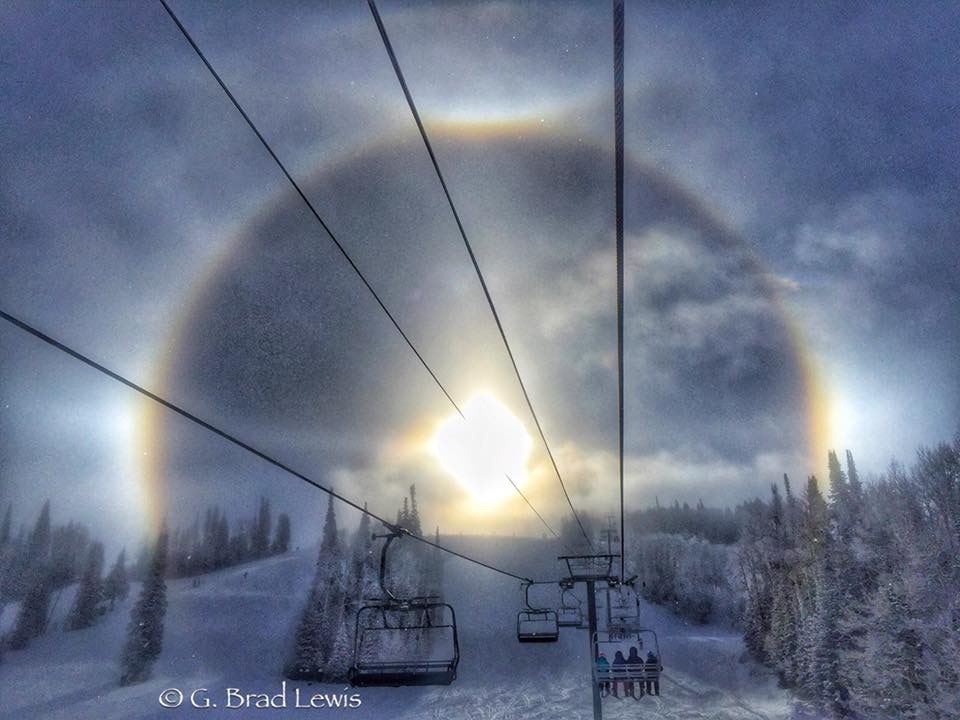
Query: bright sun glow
x=479 y=450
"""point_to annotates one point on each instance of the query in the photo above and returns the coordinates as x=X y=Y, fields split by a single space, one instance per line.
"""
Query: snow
x=235 y=628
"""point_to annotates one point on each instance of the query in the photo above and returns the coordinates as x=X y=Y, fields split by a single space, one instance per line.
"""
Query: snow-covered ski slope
x=233 y=631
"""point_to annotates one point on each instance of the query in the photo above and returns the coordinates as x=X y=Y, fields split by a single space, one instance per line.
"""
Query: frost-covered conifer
x=117 y=585
x=145 y=631
x=89 y=592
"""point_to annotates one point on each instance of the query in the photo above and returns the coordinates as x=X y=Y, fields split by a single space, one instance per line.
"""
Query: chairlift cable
x=333 y=238
x=473 y=258
x=113 y=375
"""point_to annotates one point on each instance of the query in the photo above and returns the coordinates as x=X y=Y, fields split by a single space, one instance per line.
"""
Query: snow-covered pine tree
x=5 y=528
x=831 y=691
x=32 y=583
x=305 y=661
x=36 y=560
x=260 y=540
x=89 y=592
x=316 y=630
x=32 y=619
x=816 y=517
x=435 y=574
x=414 y=518
x=238 y=545
x=117 y=585
x=145 y=631
x=853 y=479
x=893 y=662
x=281 y=541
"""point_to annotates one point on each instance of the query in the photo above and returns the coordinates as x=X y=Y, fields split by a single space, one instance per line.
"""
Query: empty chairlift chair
x=404 y=641
x=536 y=625
x=623 y=606
x=570 y=612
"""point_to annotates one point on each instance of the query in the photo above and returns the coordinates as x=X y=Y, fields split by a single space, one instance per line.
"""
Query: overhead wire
x=343 y=251
x=469 y=248
x=229 y=437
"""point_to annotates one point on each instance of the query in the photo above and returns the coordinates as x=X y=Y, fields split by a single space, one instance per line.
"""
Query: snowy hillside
x=234 y=630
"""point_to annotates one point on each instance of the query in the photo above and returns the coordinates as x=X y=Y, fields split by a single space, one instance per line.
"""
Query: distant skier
x=619 y=666
x=653 y=673
x=603 y=667
x=635 y=668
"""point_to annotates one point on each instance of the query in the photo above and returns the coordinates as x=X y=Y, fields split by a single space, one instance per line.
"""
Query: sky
x=791 y=255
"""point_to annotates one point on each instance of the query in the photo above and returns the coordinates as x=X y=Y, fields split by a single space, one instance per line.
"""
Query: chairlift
x=404 y=641
x=623 y=606
x=642 y=667
x=570 y=612
x=536 y=624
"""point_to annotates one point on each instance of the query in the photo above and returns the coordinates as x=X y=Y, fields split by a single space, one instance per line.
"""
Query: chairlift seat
x=537 y=626
x=405 y=644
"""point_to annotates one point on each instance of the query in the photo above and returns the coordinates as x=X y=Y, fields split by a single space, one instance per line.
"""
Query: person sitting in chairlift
x=653 y=674
x=603 y=666
x=635 y=667
x=619 y=665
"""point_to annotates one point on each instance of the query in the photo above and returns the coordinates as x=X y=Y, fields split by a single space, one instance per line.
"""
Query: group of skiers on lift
x=635 y=673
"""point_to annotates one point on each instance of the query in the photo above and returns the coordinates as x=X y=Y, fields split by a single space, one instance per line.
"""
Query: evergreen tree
x=316 y=631
x=831 y=690
x=5 y=529
x=145 y=631
x=853 y=477
x=34 y=606
x=894 y=659
x=281 y=541
x=436 y=566
x=32 y=583
x=117 y=585
x=414 y=518
x=36 y=560
x=260 y=542
x=89 y=593
x=817 y=513
x=361 y=552
x=306 y=662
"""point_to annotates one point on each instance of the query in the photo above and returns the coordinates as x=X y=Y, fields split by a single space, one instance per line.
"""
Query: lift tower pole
x=592 y=633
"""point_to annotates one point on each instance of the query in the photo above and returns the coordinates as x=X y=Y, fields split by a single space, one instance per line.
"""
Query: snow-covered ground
x=233 y=631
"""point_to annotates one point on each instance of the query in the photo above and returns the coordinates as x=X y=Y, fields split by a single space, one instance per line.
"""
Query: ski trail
x=234 y=628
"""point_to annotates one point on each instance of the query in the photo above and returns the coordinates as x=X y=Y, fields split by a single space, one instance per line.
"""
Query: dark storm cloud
x=824 y=134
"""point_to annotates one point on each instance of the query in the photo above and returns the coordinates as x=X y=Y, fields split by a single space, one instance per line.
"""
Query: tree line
x=209 y=545
x=36 y=567
x=854 y=598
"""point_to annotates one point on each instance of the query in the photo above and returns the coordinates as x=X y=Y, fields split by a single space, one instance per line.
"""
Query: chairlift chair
x=404 y=641
x=570 y=612
x=623 y=606
x=646 y=672
x=536 y=625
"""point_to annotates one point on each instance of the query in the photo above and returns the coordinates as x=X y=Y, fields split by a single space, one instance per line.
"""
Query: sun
x=482 y=447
